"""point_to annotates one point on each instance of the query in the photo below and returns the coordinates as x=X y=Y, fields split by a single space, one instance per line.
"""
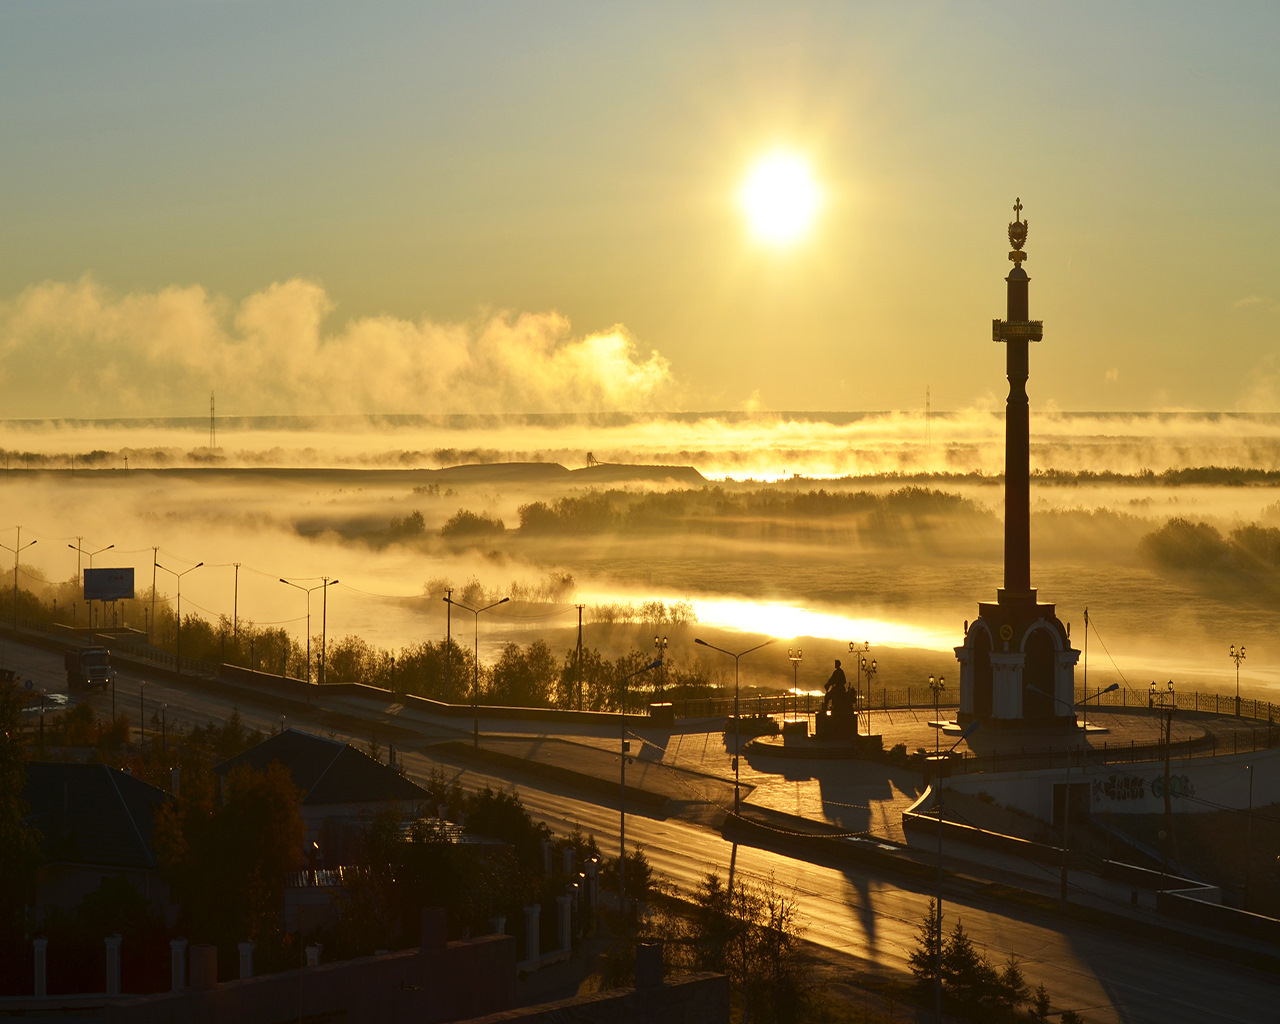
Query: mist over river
x=817 y=529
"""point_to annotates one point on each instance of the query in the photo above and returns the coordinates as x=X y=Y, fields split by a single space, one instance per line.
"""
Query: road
x=1107 y=977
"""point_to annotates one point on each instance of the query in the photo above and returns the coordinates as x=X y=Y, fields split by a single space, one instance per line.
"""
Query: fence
x=907 y=698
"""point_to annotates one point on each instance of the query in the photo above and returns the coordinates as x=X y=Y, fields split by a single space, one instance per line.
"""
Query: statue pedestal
x=833 y=726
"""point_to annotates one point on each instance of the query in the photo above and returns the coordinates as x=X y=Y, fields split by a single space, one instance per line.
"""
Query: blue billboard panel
x=108 y=584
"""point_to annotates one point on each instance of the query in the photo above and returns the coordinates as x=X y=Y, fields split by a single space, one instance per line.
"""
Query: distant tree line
x=1182 y=544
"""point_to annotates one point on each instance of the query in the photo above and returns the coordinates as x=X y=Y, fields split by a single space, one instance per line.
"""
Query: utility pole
x=324 y=623
x=580 y=607
x=155 y=555
x=448 y=639
x=235 y=608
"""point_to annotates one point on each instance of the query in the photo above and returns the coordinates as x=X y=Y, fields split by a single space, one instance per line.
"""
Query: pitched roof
x=92 y=814
x=327 y=771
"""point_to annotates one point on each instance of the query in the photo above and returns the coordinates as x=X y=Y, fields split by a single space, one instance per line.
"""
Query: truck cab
x=89 y=666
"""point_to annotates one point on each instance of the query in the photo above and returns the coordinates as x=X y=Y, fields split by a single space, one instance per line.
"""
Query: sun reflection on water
x=782 y=620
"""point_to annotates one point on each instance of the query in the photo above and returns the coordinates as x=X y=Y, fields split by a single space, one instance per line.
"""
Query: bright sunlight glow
x=780 y=198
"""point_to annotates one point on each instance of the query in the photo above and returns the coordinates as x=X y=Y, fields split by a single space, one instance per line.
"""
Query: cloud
x=81 y=350
x=1268 y=303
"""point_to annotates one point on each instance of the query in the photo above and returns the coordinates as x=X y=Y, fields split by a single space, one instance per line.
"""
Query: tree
x=1040 y=1003
x=591 y=669
x=19 y=843
x=969 y=981
x=523 y=678
x=226 y=863
x=442 y=671
x=923 y=960
x=751 y=934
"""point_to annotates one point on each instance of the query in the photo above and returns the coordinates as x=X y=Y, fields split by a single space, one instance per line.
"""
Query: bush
x=467 y=525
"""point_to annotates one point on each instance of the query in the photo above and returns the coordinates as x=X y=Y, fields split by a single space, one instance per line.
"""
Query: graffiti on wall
x=1133 y=787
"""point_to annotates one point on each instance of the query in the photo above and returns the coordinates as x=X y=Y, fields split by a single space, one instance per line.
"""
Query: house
x=95 y=822
x=342 y=789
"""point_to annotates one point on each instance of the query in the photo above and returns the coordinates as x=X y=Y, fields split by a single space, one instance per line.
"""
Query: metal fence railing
x=906 y=698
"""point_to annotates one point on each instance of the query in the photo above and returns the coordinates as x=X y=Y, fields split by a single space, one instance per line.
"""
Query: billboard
x=108 y=584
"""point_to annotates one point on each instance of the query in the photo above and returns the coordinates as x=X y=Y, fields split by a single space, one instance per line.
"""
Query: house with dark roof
x=342 y=787
x=95 y=823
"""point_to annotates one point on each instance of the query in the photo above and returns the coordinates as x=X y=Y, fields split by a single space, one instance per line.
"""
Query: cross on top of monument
x=1018 y=234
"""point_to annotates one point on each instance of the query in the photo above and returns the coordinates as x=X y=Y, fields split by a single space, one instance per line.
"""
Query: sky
x=399 y=207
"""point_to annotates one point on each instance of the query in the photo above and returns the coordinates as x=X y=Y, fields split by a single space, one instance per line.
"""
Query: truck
x=89 y=666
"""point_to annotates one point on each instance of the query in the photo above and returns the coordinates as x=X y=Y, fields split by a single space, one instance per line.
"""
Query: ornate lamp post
x=659 y=645
x=795 y=657
x=860 y=667
x=737 y=793
x=475 y=689
x=937 y=686
x=1236 y=654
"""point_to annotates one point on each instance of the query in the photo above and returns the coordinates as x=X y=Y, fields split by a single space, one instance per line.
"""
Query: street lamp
x=81 y=551
x=937 y=686
x=324 y=585
x=18 y=548
x=475 y=688
x=860 y=666
x=324 y=623
x=659 y=645
x=1165 y=702
x=795 y=657
x=626 y=749
x=737 y=798
x=942 y=770
x=1248 y=843
x=1236 y=654
x=1066 y=798
x=178 y=576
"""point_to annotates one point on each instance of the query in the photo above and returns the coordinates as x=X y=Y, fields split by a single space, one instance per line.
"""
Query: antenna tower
x=927 y=438
x=213 y=430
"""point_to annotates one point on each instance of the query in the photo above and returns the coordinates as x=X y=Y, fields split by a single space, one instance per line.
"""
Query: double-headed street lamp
x=937 y=686
x=942 y=770
x=795 y=657
x=625 y=752
x=860 y=667
x=475 y=688
x=1236 y=654
x=17 y=549
x=324 y=585
x=659 y=645
x=737 y=752
x=178 y=576
x=81 y=551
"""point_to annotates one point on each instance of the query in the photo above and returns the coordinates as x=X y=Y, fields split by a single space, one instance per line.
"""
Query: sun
x=780 y=198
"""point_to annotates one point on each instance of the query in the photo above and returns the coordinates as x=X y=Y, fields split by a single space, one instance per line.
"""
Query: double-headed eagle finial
x=1018 y=234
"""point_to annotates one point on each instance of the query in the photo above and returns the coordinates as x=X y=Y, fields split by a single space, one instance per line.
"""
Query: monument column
x=1017 y=332
x=1016 y=662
